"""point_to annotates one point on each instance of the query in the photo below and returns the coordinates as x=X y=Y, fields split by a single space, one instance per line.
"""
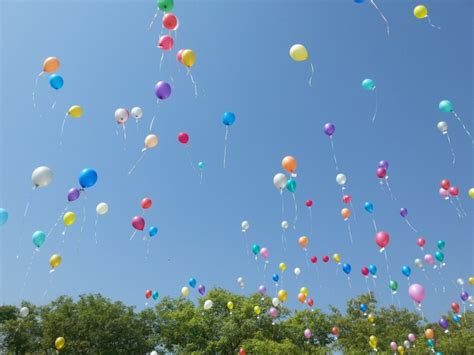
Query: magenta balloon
x=273 y=312
x=73 y=194
x=264 y=253
x=307 y=333
x=411 y=337
x=393 y=346
x=162 y=90
x=166 y=42
x=429 y=259
x=138 y=223
x=417 y=293
x=329 y=129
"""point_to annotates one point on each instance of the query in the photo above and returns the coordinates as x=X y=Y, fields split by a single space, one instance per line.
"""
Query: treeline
x=95 y=325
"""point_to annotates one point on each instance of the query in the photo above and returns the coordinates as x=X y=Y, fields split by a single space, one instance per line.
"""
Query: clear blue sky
x=110 y=60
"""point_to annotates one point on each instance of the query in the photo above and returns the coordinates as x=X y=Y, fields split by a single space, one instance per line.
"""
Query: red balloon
x=455 y=307
x=183 y=137
x=335 y=331
x=445 y=184
x=146 y=203
x=382 y=239
x=453 y=191
x=179 y=55
x=170 y=21
x=310 y=302
x=325 y=258
x=165 y=42
x=364 y=270
x=148 y=294
x=314 y=259
x=421 y=242
x=381 y=172
x=138 y=223
x=309 y=203
x=242 y=351
x=346 y=199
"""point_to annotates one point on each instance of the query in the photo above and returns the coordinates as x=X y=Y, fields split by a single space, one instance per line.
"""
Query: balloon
x=51 y=64
x=308 y=203
x=257 y=310
x=170 y=21
x=371 y=318
x=310 y=302
x=245 y=225
x=445 y=106
x=368 y=84
x=471 y=280
x=369 y=207
x=151 y=141
x=230 y=305
x=165 y=5
x=345 y=213
x=146 y=203
x=382 y=239
x=471 y=192
x=460 y=281
x=228 y=118
x=183 y=137
x=442 y=127
x=363 y=307
x=202 y=290
x=364 y=271
x=393 y=285
x=137 y=112
x=464 y=296
x=346 y=199
x=3 y=216
x=393 y=346
x=73 y=194
x=138 y=223
x=208 y=304
x=264 y=253
x=148 y=294
x=346 y=268
x=325 y=258
x=307 y=333
x=337 y=258
x=56 y=81
x=69 y=218
x=455 y=307
x=262 y=290
x=304 y=291
x=383 y=164
x=155 y=295
x=453 y=191
x=314 y=259
x=55 y=261
x=59 y=343
x=192 y=282
x=121 y=115
x=416 y=292
x=87 y=178
x=297 y=271
x=165 y=42
x=282 y=267
x=179 y=56
x=38 y=238
x=373 y=341
x=341 y=179
x=381 y=172
x=303 y=242
x=406 y=344
x=372 y=269
x=280 y=180
x=403 y=212
x=275 y=277
x=401 y=349
x=443 y=323
x=24 y=311
x=419 y=263
x=282 y=296
x=289 y=164
x=298 y=53
x=75 y=111
x=152 y=231
x=185 y=291
x=329 y=129
x=429 y=259
x=273 y=312
x=275 y=301
x=411 y=337
x=335 y=331
x=42 y=176
x=456 y=318
x=429 y=334
x=162 y=90
x=421 y=242
x=420 y=11
x=242 y=351
x=439 y=256
x=201 y=165
x=291 y=185
x=406 y=270
x=188 y=58
x=431 y=343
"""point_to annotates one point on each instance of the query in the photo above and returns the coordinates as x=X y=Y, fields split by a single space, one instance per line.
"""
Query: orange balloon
x=301 y=297
x=429 y=334
x=289 y=164
x=345 y=213
x=51 y=64
x=303 y=242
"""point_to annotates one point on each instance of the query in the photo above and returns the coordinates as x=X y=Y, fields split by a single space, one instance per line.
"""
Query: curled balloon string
x=410 y=225
x=376 y=106
x=310 y=81
x=193 y=82
x=137 y=162
x=452 y=149
x=431 y=23
x=333 y=153
x=225 y=143
x=463 y=126
x=296 y=211
x=151 y=123
x=350 y=232
x=153 y=19
x=381 y=15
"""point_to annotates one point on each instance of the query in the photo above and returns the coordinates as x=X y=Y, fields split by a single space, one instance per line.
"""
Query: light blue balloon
x=275 y=277
x=372 y=269
x=3 y=216
x=456 y=318
x=346 y=268
x=369 y=207
x=363 y=307
x=201 y=165
x=192 y=282
x=359 y=1
x=38 y=238
x=228 y=118
x=87 y=178
x=152 y=231
x=368 y=84
x=56 y=81
x=446 y=106
x=406 y=270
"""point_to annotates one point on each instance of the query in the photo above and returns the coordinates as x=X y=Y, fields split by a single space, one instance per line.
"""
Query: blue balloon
x=369 y=207
x=456 y=318
x=152 y=231
x=38 y=238
x=363 y=307
x=228 y=118
x=192 y=282
x=359 y=1
x=275 y=277
x=3 y=216
x=406 y=270
x=346 y=268
x=87 y=178
x=372 y=269
x=56 y=81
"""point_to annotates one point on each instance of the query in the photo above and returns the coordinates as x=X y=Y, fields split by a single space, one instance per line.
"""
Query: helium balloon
x=42 y=176
x=257 y=310
x=262 y=290
x=401 y=349
x=152 y=231
x=346 y=199
x=403 y=212
x=368 y=84
x=460 y=281
x=429 y=333
x=329 y=129
x=75 y=111
x=202 y=289
x=282 y=267
x=183 y=137
x=188 y=58
x=383 y=164
x=443 y=323
x=419 y=263
x=363 y=307
x=307 y=333
x=382 y=239
x=24 y=311
x=56 y=81
x=371 y=318
x=170 y=21
x=291 y=185
x=373 y=341
x=121 y=115
x=297 y=271
x=442 y=127
x=38 y=238
x=445 y=105
x=393 y=285
x=201 y=165
x=364 y=271
x=421 y=242
x=69 y=218
x=429 y=259
x=230 y=305
x=285 y=224
x=137 y=112
x=308 y=203
x=192 y=282
x=165 y=42
x=325 y=258
x=165 y=5
x=471 y=192
x=304 y=291
x=280 y=181
x=406 y=344
x=310 y=302
x=369 y=207
x=337 y=258
x=406 y=270
x=60 y=343
x=148 y=294
x=242 y=351
x=381 y=172
x=228 y=118
x=87 y=178
x=298 y=53
x=455 y=307
x=393 y=346
x=289 y=164
x=275 y=302
x=431 y=343
x=51 y=64
x=179 y=56
x=55 y=261
x=464 y=296
x=273 y=312
x=151 y=141
x=445 y=184
x=155 y=295
x=453 y=191
x=208 y=304
x=314 y=259
x=439 y=256
x=245 y=225
x=345 y=213
x=416 y=292
x=471 y=280
x=372 y=269
x=341 y=179
x=335 y=331
x=303 y=242
x=3 y=216
x=411 y=337
x=282 y=296
x=456 y=318
x=420 y=11
x=73 y=194
x=146 y=203
x=346 y=268
x=162 y=90
x=138 y=223
x=264 y=253
x=275 y=277
x=185 y=291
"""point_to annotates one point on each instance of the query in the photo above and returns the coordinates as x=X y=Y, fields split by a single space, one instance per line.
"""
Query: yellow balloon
x=75 y=111
x=55 y=261
x=337 y=258
x=373 y=341
x=188 y=58
x=471 y=192
x=185 y=291
x=59 y=343
x=304 y=291
x=471 y=280
x=69 y=218
x=282 y=295
x=230 y=305
x=371 y=318
x=282 y=267
x=151 y=141
x=257 y=310
x=420 y=11
x=298 y=53
x=401 y=350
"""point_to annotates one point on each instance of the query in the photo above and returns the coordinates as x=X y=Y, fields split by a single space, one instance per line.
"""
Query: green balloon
x=155 y=295
x=291 y=185
x=38 y=238
x=368 y=84
x=446 y=106
x=439 y=256
x=393 y=285
x=430 y=343
x=441 y=244
x=201 y=165
x=165 y=5
x=255 y=249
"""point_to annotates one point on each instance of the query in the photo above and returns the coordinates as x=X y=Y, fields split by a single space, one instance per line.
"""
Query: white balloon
x=419 y=263
x=406 y=344
x=245 y=225
x=208 y=304
x=297 y=271
x=442 y=127
x=137 y=112
x=341 y=179
x=242 y=285
x=285 y=224
x=280 y=180
x=240 y=280
x=42 y=176
x=275 y=302
x=154 y=353
x=460 y=282
x=24 y=311
x=102 y=208
x=470 y=299
x=121 y=115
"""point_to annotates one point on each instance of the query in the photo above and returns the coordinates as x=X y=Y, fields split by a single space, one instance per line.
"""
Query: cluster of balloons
x=446 y=189
x=138 y=222
x=152 y=294
x=122 y=114
x=51 y=66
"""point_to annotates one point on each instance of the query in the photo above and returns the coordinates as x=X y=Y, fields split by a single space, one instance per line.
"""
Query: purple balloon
x=262 y=290
x=273 y=312
x=383 y=164
x=329 y=129
x=464 y=295
x=443 y=323
x=73 y=194
x=403 y=212
x=162 y=90
x=202 y=289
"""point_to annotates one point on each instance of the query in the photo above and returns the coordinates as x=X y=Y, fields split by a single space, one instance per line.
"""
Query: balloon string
x=27 y=273
x=310 y=81
x=454 y=206
x=333 y=153
x=151 y=123
x=350 y=232
x=53 y=105
x=374 y=224
x=200 y=178
x=296 y=212
x=124 y=136
x=368 y=289
x=193 y=82
x=354 y=210
x=161 y=60
x=95 y=228
x=33 y=94
x=409 y=225
x=311 y=221
x=153 y=20
x=137 y=162
x=431 y=23
x=381 y=15
x=22 y=227
x=62 y=132
x=461 y=208
x=225 y=143
x=463 y=126
x=386 y=263
x=57 y=221
x=246 y=244
x=452 y=149
x=376 y=106
x=392 y=196
x=133 y=235
x=349 y=281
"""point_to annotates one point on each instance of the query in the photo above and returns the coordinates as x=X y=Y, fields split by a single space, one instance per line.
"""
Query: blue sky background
x=110 y=60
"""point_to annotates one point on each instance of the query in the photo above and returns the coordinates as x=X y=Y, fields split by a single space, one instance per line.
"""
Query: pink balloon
x=453 y=191
x=138 y=223
x=421 y=242
x=381 y=173
x=429 y=259
x=179 y=55
x=264 y=253
x=183 y=137
x=307 y=333
x=411 y=337
x=170 y=21
x=166 y=42
x=417 y=294
x=273 y=312
x=382 y=239
x=393 y=346
x=444 y=193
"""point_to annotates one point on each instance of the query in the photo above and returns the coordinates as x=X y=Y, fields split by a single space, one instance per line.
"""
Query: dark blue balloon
x=346 y=268
x=372 y=269
x=56 y=81
x=363 y=307
x=87 y=178
x=359 y=1
x=369 y=207
x=192 y=282
x=152 y=231
x=275 y=277
x=228 y=118
x=406 y=270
